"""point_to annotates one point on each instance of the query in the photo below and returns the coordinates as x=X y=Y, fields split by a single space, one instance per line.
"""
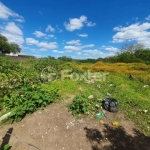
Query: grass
x=133 y=96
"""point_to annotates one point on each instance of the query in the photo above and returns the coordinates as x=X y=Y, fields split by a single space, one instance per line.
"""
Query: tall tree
x=6 y=47
x=15 y=48
x=3 y=38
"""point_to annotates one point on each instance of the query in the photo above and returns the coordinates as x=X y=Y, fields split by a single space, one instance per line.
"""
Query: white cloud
x=5 y=13
x=135 y=32
x=31 y=41
x=51 y=45
x=75 y=23
x=76 y=42
x=12 y=28
x=77 y=46
x=51 y=35
x=50 y=28
x=59 y=30
x=97 y=53
x=39 y=34
x=56 y=51
x=79 y=53
x=148 y=18
x=43 y=49
x=78 y=23
x=90 y=24
x=93 y=52
x=110 y=48
x=83 y=35
x=72 y=48
x=13 y=33
x=46 y=45
x=89 y=45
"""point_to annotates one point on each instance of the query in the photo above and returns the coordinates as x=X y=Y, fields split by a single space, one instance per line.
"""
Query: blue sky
x=75 y=28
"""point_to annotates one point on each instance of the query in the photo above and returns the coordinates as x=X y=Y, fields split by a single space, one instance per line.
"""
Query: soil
x=54 y=128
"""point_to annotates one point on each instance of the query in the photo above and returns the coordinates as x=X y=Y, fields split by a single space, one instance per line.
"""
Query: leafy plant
x=6 y=147
x=82 y=104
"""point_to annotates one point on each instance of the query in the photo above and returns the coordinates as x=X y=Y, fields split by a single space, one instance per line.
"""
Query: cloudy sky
x=76 y=28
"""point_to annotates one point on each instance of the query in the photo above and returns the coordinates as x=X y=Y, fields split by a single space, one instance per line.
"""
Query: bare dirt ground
x=54 y=128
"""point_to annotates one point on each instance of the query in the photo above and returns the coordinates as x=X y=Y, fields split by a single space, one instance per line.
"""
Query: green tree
x=3 y=38
x=144 y=55
x=6 y=47
x=15 y=48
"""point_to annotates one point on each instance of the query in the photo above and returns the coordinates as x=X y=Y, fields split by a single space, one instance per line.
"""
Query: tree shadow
x=6 y=138
x=116 y=138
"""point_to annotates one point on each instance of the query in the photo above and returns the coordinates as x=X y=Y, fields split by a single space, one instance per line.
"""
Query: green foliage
x=6 y=47
x=3 y=38
x=144 y=55
x=6 y=147
x=132 y=96
x=79 y=105
x=65 y=58
x=15 y=48
x=83 y=105
x=21 y=91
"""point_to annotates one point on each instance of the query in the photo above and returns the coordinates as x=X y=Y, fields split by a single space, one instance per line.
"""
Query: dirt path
x=54 y=128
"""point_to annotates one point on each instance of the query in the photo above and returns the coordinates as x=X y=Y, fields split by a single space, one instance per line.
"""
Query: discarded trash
x=108 y=94
x=110 y=104
x=102 y=121
x=145 y=86
x=91 y=96
x=111 y=84
x=145 y=111
x=115 y=123
x=100 y=115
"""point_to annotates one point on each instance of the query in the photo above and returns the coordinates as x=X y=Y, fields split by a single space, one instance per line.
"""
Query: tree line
x=128 y=53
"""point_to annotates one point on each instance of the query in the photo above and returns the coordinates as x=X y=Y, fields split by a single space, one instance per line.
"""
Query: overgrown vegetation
x=22 y=91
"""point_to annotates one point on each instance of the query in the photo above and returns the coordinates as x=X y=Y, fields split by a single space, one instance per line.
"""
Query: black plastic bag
x=110 y=104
